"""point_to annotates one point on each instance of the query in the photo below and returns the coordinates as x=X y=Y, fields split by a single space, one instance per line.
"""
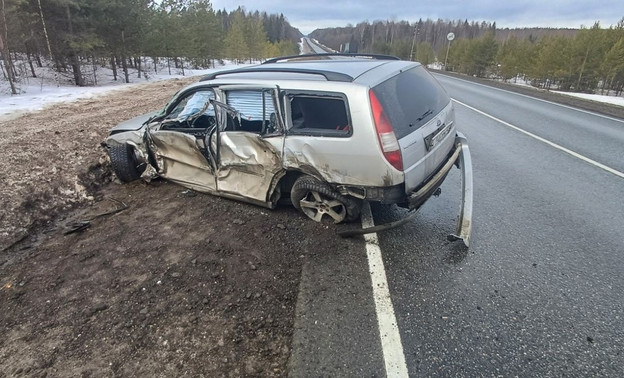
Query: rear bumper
x=464 y=222
x=426 y=190
x=459 y=156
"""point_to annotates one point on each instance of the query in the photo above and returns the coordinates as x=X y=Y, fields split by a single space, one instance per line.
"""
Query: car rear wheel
x=320 y=203
x=125 y=163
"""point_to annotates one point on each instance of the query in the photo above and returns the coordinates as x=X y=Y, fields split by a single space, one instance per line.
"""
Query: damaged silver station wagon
x=323 y=132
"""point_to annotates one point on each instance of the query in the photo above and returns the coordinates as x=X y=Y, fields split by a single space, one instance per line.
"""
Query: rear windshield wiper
x=425 y=114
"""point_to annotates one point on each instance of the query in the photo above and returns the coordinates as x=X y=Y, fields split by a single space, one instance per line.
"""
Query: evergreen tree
x=235 y=43
x=256 y=38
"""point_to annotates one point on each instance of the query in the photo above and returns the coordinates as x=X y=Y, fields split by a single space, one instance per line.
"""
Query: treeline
x=592 y=60
x=396 y=37
x=78 y=34
x=582 y=60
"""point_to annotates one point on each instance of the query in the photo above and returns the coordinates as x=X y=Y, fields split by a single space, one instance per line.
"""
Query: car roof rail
x=329 y=55
x=328 y=75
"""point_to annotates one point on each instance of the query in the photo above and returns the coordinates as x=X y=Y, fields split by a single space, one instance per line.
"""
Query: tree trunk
x=113 y=67
x=124 y=63
x=155 y=60
x=6 y=55
x=169 y=64
x=45 y=29
x=578 y=83
x=32 y=68
x=4 y=75
x=77 y=71
x=94 y=71
x=73 y=58
x=5 y=32
x=9 y=73
x=182 y=65
x=138 y=61
x=38 y=58
x=59 y=66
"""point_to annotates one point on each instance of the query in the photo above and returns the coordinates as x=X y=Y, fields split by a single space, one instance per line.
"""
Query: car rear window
x=410 y=99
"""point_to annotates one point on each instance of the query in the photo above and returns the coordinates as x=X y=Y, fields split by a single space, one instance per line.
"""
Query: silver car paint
x=357 y=160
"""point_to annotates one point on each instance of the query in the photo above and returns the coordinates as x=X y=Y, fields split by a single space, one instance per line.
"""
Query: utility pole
x=412 y=50
x=416 y=32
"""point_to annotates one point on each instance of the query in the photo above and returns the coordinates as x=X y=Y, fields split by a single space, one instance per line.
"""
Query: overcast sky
x=312 y=14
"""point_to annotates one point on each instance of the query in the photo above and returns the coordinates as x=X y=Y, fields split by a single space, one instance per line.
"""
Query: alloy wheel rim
x=318 y=207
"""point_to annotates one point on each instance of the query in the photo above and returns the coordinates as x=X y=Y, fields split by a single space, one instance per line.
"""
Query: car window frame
x=276 y=95
x=314 y=132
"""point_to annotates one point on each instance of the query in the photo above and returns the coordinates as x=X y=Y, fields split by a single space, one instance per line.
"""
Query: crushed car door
x=177 y=143
x=250 y=143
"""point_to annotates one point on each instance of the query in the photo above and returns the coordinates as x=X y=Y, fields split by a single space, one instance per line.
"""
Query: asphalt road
x=539 y=292
x=315 y=48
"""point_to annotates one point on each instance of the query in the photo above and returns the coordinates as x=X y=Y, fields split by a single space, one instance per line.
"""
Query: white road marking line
x=391 y=346
x=555 y=145
x=539 y=99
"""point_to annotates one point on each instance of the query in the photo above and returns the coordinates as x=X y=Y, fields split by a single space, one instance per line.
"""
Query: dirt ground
x=176 y=284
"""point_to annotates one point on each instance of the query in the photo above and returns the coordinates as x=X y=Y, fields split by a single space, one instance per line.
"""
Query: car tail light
x=387 y=140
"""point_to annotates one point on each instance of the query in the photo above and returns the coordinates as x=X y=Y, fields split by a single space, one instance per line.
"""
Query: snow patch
x=594 y=97
x=49 y=88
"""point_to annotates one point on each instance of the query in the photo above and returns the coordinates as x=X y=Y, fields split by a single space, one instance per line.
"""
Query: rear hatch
x=422 y=118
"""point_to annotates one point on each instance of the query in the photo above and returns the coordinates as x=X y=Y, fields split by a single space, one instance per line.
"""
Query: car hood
x=134 y=123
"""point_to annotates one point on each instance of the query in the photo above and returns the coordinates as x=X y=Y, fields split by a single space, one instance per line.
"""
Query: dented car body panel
x=256 y=136
x=248 y=164
x=178 y=159
x=338 y=159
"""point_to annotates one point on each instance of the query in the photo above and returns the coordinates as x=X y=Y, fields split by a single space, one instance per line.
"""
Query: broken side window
x=319 y=115
x=193 y=113
x=192 y=104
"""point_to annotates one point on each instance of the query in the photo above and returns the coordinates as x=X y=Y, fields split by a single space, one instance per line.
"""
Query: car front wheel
x=125 y=163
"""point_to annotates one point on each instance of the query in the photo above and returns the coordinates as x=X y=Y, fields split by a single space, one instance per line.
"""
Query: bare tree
x=45 y=33
x=4 y=48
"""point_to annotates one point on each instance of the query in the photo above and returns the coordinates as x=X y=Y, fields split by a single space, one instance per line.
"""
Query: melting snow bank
x=600 y=98
x=36 y=96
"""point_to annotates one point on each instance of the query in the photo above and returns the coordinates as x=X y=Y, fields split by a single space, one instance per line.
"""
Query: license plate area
x=437 y=136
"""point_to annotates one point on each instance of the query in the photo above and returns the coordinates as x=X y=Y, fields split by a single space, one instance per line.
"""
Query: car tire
x=318 y=201
x=124 y=162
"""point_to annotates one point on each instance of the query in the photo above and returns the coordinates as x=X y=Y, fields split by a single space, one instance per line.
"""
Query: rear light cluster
x=387 y=140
